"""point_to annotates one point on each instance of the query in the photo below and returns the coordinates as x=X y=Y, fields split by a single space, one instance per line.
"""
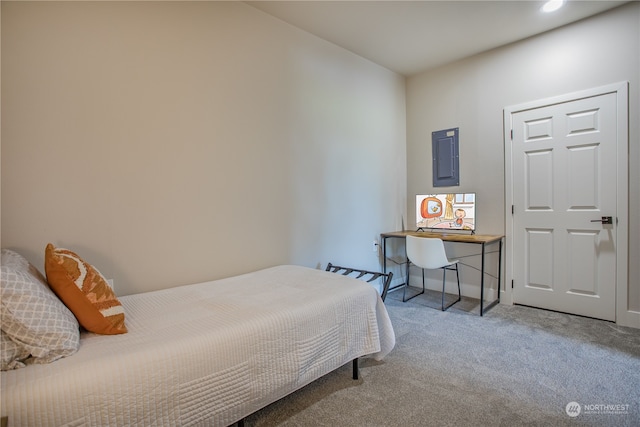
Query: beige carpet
x=516 y=366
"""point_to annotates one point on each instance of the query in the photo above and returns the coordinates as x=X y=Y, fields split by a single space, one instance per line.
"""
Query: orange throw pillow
x=84 y=291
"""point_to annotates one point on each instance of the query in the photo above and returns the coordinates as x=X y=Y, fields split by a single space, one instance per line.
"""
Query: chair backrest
x=427 y=252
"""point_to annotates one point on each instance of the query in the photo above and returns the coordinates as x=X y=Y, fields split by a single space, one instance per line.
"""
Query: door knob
x=604 y=220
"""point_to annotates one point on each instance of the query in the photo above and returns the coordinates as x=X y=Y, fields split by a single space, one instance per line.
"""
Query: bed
x=206 y=354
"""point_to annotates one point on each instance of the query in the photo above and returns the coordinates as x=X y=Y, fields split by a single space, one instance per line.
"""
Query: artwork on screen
x=452 y=211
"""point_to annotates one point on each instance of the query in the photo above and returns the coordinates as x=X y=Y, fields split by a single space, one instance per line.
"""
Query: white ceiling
x=409 y=37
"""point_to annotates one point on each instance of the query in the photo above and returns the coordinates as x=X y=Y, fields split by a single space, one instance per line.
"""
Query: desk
x=478 y=239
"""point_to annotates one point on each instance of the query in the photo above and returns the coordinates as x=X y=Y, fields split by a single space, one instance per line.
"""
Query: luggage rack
x=348 y=271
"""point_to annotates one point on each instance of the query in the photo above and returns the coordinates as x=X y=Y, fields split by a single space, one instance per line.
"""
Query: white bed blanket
x=206 y=354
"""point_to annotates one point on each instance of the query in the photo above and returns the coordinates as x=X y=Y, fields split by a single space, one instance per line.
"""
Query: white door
x=564 y=183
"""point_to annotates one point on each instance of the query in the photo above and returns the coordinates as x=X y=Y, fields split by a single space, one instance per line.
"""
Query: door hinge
x=512 y=209
x=512 y=284
x=512 y=134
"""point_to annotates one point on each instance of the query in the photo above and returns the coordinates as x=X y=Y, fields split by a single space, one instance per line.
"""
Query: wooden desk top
x=447 y=237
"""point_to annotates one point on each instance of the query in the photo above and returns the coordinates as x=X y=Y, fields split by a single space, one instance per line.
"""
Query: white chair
x=428 y=253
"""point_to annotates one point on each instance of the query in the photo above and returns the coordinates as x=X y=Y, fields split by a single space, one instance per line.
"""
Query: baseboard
x=629 y=318
x=466 y=289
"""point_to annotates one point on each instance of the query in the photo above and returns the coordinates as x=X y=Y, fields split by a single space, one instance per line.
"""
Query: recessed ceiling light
x=552 y=5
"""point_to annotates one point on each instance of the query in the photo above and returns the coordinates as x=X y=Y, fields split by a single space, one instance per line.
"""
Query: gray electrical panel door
x=446 y=159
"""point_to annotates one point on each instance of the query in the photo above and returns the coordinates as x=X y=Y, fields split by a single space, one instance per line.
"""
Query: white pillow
x=32 y=315
x=11 y=354
x=9 y=258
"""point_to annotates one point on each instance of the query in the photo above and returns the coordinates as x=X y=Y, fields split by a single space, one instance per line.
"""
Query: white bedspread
x=206 y=354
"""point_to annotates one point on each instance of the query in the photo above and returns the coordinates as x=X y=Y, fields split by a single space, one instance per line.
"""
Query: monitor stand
x=443 y=230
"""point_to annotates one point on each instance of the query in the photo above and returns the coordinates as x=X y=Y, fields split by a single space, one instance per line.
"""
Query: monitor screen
x=453 y=211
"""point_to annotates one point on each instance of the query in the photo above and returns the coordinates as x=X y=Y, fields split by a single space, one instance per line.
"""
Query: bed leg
x=355 y=368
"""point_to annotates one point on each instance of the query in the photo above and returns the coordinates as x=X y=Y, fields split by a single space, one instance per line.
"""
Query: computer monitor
x=451 y=211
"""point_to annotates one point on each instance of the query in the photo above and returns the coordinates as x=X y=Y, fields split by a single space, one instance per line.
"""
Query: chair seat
x=429 y=253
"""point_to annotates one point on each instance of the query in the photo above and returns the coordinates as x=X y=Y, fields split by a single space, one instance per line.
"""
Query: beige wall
x=471 y=94
x=170 y=143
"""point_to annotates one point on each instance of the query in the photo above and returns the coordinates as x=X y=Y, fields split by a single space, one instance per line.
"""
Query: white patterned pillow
x=11 y=354
x=9 y=258
x=32 y=315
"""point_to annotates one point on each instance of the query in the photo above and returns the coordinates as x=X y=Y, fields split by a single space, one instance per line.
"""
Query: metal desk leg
x=384 y=263
x=499 y=268
x=384 y=255
x=496 y=301
x=482 y=282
